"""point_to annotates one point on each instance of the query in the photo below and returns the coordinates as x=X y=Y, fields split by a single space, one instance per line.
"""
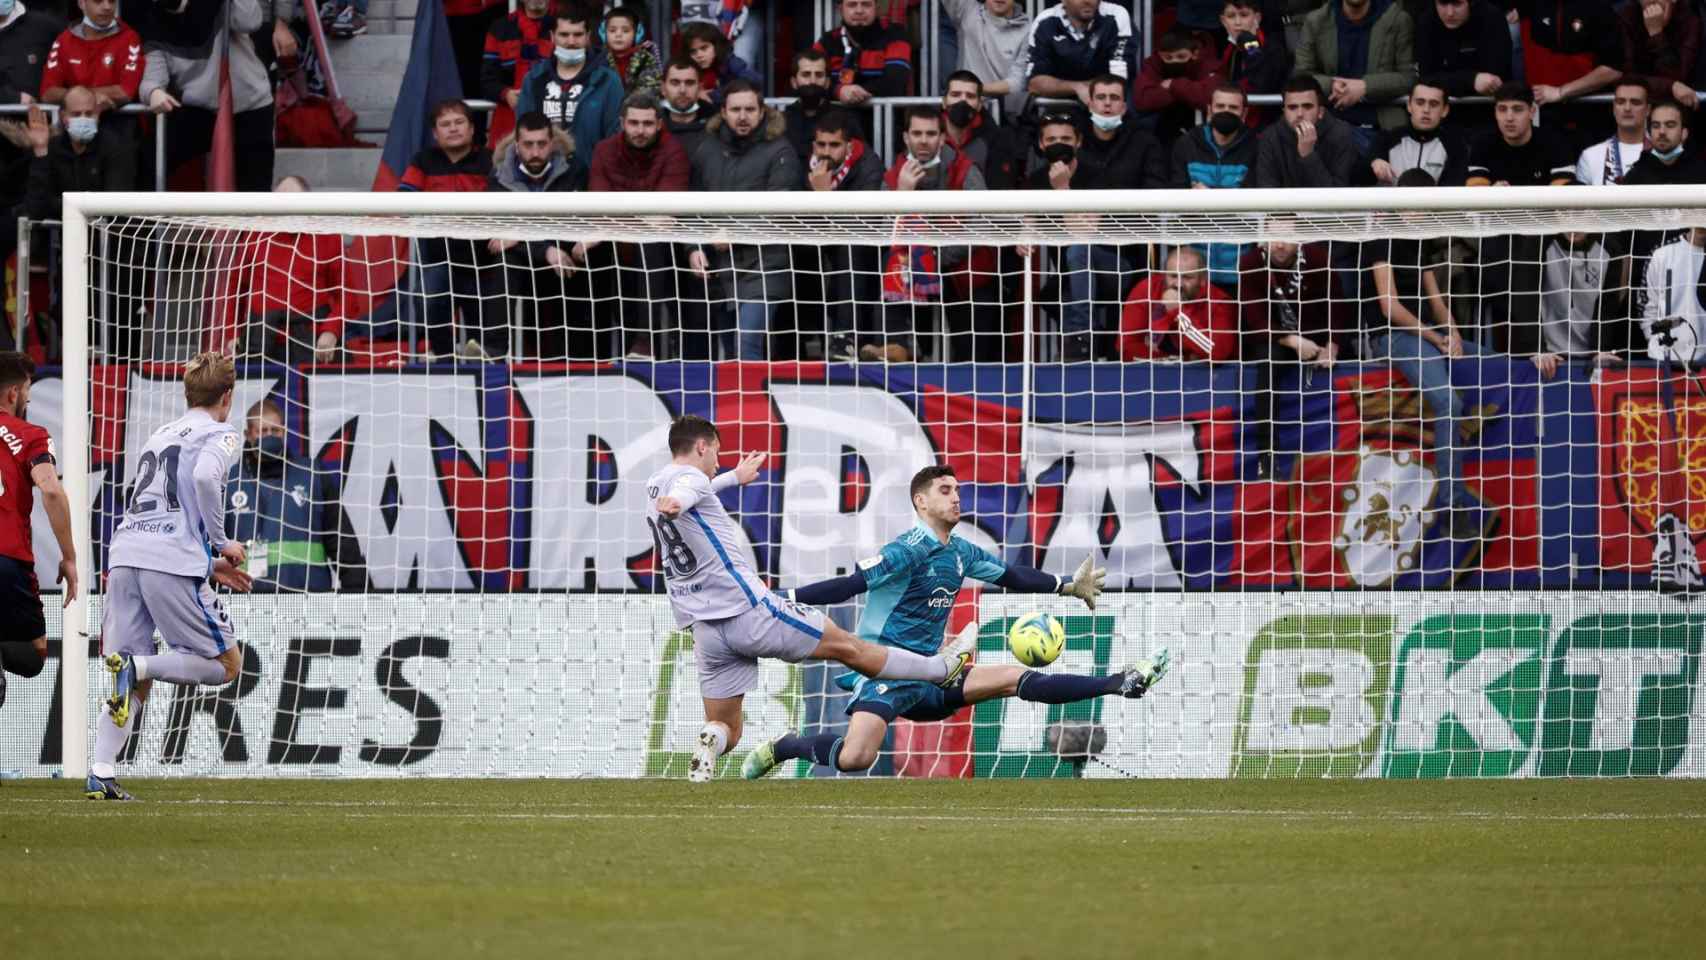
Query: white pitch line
x=431 y=810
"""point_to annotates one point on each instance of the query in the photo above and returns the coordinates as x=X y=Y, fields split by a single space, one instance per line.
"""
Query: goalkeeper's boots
x=104 y=788
x=957 y=656
x=1140 y=676
x=123 y=699
x=703 y=766
x=759 y=762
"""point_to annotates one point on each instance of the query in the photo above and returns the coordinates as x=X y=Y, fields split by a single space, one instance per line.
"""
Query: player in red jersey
x=26 y=462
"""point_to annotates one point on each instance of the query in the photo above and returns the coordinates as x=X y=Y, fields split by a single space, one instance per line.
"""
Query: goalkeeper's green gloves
x=1086 y=584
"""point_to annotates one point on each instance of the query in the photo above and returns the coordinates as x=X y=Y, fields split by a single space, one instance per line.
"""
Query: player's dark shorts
x=20 y=601
x=918 y=700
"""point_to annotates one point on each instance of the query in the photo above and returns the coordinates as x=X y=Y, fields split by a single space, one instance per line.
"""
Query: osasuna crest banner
x=500 y=478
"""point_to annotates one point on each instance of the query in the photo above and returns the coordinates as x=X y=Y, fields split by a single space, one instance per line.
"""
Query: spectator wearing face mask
x=971 y=131
x=685 y=115
x=541 y=158
x=811 y=90
x=1175 y=83
x=82 y=159
x=575 y=89
x=99 y=52
x=278 y=505
x=1126 y=156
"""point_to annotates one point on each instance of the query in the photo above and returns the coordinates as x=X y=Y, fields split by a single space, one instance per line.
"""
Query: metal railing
x=129 y=109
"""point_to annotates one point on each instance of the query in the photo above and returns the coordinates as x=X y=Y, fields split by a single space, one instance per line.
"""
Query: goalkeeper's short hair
x=922 y=480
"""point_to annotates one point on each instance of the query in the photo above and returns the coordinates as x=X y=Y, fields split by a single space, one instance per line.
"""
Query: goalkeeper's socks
x=822 y=748
x=185 y=669
x=109 y=743
x=1064 y=687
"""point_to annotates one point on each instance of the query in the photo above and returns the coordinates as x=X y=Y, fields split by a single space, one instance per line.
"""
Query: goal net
x=1409 y=482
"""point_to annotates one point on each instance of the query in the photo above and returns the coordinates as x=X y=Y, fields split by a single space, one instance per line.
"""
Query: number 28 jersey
x=166 y=527
x=707 y=577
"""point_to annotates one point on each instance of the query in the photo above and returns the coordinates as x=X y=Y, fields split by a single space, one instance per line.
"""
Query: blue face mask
x=571 y=56
x=81 y=129
x=1669 y=155
x=1106 y=124
x=6 y=8
x=270 y=446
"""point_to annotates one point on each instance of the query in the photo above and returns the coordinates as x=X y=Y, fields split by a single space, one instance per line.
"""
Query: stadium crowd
x=590 y=97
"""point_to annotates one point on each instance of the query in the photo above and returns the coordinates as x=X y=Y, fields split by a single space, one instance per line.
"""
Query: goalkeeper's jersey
x=707 y=576
x=911 y=585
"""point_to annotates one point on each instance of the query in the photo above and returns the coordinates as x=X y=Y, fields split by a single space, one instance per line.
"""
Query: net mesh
x=1397 y=489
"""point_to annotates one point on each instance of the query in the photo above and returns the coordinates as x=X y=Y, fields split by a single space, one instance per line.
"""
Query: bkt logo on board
x=1469 y=695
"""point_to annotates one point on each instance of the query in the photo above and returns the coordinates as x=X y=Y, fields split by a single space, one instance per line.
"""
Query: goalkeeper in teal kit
x=912 y=585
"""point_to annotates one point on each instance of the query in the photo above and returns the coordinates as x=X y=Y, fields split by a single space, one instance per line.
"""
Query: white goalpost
x=1364 y=563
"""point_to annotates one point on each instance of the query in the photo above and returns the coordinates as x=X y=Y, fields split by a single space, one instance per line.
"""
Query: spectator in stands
x=1661 y=41
x=1178 y=315
x=1220 y=153
x=1517 y=153
x=994 y=47
x=85 y=159
x=1671 y=290
x=745 y=149
x=1127 y=157
x=634 y=57
x=812 y=101
x=1362 y=54
x=469 y=22
x=1583 y=303
x=841 y=161
x=460 y=268
x=1293 y=310
x=642 y=158
x=1408 y=322
x=1096 y=276
x=293 y=308
x=1076 y=41
x=1667 y=160
x=1569 y=47
x=538 y=159
x=100 y=53
x=742 y=21
x=1610 y=160
x=684 y=113
x=575 y=89
x=350 y=20
x=971 y=131
x=1309 y=147
x=868 y=56
x=189 y=135
x=26 y=35
x=916 y=277
x=1250 y=57
x=1425 y=144
x=1175 y=83
x=1465 y=45
x=514 y=46
x=278 y=504
x=718 y=66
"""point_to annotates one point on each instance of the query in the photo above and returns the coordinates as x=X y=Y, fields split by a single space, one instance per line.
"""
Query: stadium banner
x=494 y=478
x=1411 y=685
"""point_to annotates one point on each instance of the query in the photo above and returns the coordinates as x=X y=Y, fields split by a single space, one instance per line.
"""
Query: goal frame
x=82 y=209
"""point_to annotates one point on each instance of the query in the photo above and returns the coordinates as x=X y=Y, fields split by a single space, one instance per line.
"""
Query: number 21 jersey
x=707 y=576
x=166 y=526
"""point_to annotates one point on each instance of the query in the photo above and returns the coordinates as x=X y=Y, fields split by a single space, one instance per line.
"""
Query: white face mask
x=1106 y=124
x=81 y=129
x=571 y=56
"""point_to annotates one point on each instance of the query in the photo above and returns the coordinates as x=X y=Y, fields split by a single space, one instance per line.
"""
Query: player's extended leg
x=1131 y=682
x=893 y=663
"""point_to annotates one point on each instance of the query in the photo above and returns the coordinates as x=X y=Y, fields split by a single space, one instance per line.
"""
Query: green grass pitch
x=1058 y=869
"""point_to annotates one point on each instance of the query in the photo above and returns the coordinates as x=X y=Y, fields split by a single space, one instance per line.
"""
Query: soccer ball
x=1036 y=639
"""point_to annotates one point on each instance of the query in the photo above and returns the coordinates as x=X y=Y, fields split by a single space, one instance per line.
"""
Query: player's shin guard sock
x=819 y=749
x=180 y=668
x=109 y=743
x=906 y=665
x=719 y=734
x=1064 y=687
x=20 y=657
